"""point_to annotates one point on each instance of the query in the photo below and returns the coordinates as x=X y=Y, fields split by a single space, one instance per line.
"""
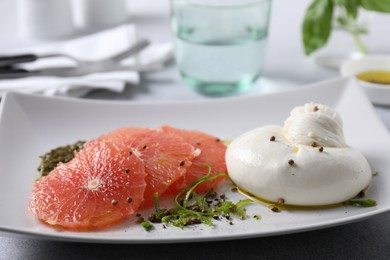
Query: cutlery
x=9 y=67
x=30 y=57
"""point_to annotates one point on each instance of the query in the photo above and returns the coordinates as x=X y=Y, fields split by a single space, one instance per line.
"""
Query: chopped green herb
x=362 y=203
x=257 y=217
x=191 y=208
x=156 y=204
x=375 y=173
x=147 y=225
x=228 y=207
x=62 y=154
x=225 y=208
x=239 y=209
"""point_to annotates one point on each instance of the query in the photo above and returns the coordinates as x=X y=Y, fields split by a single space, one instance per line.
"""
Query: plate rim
x=195 y=239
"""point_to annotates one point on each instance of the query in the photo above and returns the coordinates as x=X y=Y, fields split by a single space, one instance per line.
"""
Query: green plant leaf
x=317 y=25
x=340 y=2
x=382 y=6
x=351 y=7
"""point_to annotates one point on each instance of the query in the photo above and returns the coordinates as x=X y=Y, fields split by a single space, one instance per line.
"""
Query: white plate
x=30 y=125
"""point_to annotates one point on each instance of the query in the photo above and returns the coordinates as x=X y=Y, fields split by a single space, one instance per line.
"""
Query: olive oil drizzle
x=272 y=205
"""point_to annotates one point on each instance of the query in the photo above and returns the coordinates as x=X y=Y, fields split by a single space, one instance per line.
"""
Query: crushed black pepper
x=195 y=209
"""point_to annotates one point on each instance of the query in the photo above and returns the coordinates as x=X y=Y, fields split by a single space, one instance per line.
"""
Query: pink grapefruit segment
x=123 y=136
x=212 y=155
x=166 y=158
x=99 y=187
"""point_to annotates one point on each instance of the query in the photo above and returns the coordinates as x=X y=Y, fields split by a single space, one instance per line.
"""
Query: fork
x=7 y=61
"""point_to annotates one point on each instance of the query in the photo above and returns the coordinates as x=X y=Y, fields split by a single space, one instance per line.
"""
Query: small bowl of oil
x=372 y=72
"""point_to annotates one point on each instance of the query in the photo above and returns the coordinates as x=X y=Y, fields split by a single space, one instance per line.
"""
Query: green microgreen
x=191 y=208
x=362 y=203
x=257 y=217
x=147 y=225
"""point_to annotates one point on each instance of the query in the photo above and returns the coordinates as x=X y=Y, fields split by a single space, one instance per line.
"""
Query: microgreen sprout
x=191 y=208
x=362 y=203
x=147 y=225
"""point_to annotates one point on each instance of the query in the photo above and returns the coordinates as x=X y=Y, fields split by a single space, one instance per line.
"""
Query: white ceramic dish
x=30 y=125
x=378 y=94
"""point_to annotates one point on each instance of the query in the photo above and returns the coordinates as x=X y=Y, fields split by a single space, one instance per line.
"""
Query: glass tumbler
x=220 y=44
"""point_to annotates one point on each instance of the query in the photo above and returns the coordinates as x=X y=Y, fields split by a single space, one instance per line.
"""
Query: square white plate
x=31 y=125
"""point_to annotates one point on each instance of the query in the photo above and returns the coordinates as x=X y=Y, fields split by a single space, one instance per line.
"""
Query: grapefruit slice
x=212 y=155
x=123 y=136
x=99 y=187
x=166 y=156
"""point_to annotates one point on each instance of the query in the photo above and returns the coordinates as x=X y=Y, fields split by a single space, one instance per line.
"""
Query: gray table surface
x=368 y=239
x=286 y=67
